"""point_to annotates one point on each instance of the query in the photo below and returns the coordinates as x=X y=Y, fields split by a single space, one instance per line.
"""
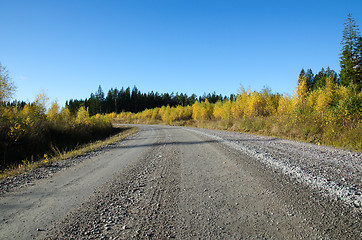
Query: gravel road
x=185 y=183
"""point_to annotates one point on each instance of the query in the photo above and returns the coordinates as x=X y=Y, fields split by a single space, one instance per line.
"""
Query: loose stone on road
x=182 y=183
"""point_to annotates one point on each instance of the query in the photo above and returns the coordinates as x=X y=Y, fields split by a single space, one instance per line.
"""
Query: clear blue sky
x=69 y=48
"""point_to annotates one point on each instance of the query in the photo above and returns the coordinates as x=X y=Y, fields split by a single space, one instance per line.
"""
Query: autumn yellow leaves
x=328 y=115
x=28 y=132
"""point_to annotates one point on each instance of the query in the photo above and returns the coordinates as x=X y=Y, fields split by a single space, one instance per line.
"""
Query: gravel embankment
x=336 y=172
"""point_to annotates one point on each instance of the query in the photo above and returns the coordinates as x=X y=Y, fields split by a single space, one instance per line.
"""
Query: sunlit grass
x=48 y=159
x=330 y=115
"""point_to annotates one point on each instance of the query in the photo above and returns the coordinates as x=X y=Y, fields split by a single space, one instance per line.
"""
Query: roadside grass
x=120 y=134
x=347 y=136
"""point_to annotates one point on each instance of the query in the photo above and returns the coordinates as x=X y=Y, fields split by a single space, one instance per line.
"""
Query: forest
x=325 y=109
x=127 y=100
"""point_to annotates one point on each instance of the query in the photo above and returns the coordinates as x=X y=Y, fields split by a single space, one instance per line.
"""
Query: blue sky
x=69 y=48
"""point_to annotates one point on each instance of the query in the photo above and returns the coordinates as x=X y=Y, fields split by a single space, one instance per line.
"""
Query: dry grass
x=59 y=156
x=348 y=138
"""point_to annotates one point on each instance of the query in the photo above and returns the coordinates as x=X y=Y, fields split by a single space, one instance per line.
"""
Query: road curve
x=172 y=182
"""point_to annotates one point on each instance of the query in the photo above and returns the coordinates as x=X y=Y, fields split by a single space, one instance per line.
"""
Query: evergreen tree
x=320 y=79
x=135 y=99
x=331 y=73
x=310 y=79
x=109 y=101
x=100 y=98
x=115 y=98
x=74 y=105
x=301 y=75
x=359 y=62
x=350 y=60
x=93 y=106
x=127 y=98
x=306 y=76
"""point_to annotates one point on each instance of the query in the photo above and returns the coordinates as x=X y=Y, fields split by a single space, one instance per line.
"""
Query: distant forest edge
x=127 y=100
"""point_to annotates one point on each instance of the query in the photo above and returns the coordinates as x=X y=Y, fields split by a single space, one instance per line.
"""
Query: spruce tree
x=100 y=98
x=359 y=62
x=350 y=60
x=309 y=78
x=320 y=79
x=301 y=74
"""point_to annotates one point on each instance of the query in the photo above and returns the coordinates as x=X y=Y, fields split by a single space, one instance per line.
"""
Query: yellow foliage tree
x=301 y=92
x=40 y=105
x=254 y=106
x=196 y=111
x=82 y=116
x=218 y=109
x=323 y=100
x=223 y=110
x=239 y=106
x=7 y=87
x=202 y=111
x=166 y=114
x=285 y=106
x=207 y=110
x=65 y=115
x=155 y=114
x=53 y=112
x=27 y=110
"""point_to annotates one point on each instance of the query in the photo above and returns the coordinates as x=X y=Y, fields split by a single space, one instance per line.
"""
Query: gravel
x=335 y=172
x=189 y=183
x=28 y=179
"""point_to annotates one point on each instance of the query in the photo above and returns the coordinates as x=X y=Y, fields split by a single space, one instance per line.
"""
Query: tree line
x=127 y=100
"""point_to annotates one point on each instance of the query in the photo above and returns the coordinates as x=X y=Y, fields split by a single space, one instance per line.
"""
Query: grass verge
x=27 y=166
x=347 y=137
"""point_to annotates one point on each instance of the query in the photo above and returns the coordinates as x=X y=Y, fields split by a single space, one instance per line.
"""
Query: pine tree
x=301 y=75
x=331 y=73
x=320 y=79
x=350 y=60
x=308 y=76
x=310 y=79
x=93 y=105
x=100 y=98
x=115 y=96
x=359 y=62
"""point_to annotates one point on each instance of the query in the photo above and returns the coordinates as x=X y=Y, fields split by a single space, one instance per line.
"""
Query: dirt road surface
x=183 y=183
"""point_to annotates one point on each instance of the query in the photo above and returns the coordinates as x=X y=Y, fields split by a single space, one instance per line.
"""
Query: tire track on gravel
x=138 y=203
x=25 y=212
x=184 y=184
